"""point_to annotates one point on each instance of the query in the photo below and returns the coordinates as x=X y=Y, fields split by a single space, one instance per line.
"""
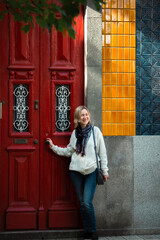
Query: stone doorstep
x=74 y=233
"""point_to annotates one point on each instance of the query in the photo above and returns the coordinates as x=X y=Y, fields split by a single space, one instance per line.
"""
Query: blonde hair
x=77 y=113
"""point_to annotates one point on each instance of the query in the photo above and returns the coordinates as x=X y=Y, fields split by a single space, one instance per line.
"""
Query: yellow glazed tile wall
x=118 y=67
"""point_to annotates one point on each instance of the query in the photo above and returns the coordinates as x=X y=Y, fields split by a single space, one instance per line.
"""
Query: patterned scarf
x=82 y=136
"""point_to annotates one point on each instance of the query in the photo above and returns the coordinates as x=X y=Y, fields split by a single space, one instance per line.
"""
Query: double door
x=41 y=84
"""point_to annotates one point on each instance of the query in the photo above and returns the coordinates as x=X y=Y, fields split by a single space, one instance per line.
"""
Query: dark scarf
x=82 y=136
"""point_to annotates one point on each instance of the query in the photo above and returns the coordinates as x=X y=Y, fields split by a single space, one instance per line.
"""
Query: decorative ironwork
x=62 y=108
x=20 y=108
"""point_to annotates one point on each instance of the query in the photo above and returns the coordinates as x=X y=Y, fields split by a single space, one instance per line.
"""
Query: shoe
x=87 y=235
x=94 y=236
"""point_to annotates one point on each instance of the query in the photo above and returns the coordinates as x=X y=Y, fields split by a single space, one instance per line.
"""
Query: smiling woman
x=83 y=165
x=82 y=116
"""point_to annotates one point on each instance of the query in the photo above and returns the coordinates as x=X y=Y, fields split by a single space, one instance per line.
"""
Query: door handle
x=36 y=104
x=1 y=104
x=1 y=110
x=35 y=141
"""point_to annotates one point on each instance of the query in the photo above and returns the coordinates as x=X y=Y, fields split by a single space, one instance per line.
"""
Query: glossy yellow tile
x=132 y=104
x=133 y=79
x=132 y=4
x=132 y=129
x=108 y=28
x=114 y=65
x=114 y=40
x=107 y=129
x=106 y=53
x=120 y=3
x=126 y=79
x=132 y=41
x=114 y=78
x=120 y=27
x=126 y=66
x=106 y=91
x=126 y=53
x=120 y=78
x=119 y=91
x=126 y=41
x=120 y=129
x=132 y=53
x=114 y=91
x=120 y=104
x=132 y=66
x=132 y=117
x=114 y=104
x=107 y=117
x=103 y=104
x=120 y=14
x=114 y=14
x=132 y=15
x=126 y=129
x=126 y=92
x=132 y=91
x=127 y=104
x=126 y=116
x=114 y=3
x=106 y=40
x=126 y=27
x=120 y=117
x=114 y=53
x=126 y=15
x=120 y=66
x=126 y=3
x=132 y=28
x=113 y=117
x=106 y=79
x=108 y=104
x=106 y=66
x=114 y=129
x=120 y=41
x=114 y=28
x=120 y=53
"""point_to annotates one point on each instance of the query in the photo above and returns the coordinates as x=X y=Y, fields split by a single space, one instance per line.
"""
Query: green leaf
x=1 y=16
x=26 y=28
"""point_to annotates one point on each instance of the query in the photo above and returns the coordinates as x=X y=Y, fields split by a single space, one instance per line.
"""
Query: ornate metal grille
x=62 y=108
x=20 y=108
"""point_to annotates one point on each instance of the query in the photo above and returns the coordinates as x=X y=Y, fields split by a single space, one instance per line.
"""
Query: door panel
x=41 y=76
x=23 y=154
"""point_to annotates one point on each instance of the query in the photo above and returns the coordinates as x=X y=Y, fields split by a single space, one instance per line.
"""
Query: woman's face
x=84 y=118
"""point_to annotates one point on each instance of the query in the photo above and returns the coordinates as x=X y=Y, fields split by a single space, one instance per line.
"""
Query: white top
x=86 y=164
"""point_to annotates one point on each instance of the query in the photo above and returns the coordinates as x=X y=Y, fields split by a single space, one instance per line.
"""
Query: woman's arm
x=67 y=151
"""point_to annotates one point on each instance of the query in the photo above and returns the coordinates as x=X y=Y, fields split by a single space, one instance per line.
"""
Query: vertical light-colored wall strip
x=118 y=67
x=93 y=62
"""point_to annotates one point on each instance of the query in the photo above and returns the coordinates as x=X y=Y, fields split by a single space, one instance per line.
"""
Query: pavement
x=24 y=236
x=129 y=237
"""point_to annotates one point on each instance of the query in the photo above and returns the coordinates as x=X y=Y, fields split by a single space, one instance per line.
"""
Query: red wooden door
x=41 y=83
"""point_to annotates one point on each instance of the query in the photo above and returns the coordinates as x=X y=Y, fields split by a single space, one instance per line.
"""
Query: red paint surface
x=35 y=187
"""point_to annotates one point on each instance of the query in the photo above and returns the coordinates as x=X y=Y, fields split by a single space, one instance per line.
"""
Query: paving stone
x=131 y=237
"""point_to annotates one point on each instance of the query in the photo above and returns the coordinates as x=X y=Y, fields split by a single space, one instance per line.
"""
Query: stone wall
x=129 y=203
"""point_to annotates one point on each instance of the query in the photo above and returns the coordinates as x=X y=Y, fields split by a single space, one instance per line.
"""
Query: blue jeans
x=85 y=186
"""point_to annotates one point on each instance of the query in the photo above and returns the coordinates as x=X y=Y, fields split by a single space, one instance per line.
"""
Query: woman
x=83 y=166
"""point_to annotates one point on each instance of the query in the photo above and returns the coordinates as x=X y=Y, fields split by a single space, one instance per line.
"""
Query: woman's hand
x=50 y=142
x=106 y=178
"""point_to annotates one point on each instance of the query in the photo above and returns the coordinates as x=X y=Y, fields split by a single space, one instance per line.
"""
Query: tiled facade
x=131 y=101
x=118 y=67
x=148 y=67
